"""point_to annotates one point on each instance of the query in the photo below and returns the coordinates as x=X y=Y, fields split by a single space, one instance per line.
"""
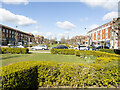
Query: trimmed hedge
x=114 y=51
x=63 y=51
x=31 y=74
x=95 y=53
x=15 y=50
x=20 y=75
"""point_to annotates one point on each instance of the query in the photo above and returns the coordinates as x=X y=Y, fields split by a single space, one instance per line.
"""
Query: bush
x=95 y=53
x=117 y=51
x=20 y=75
x=63 y=51
x=15 y=50
x=51 y=74
x=114 y=51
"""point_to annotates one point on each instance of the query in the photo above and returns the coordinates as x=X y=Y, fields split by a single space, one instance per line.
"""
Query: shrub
x=15 y=50
x=20 y=75
x=63 y=51
x=95 y=53
x=114 y=51
x=31 y=74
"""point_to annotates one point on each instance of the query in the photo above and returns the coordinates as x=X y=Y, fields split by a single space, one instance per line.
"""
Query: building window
x=7 y=31
x=6 y=35
x=0 y=28
x=106 y=35
x=12 y=36
x=3 y=30
x=101 y=34
x=106 y=32
x=12 y=32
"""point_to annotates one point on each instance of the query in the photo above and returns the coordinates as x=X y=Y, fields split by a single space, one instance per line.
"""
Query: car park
x=39 y=47
x=60 y=47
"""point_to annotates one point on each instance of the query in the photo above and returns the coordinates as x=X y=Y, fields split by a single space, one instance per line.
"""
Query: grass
x=13 y=58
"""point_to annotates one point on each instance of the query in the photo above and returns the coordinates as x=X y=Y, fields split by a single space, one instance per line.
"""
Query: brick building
x=103 y=35
x=80 y=39
x=15 y=37
x=39 y=39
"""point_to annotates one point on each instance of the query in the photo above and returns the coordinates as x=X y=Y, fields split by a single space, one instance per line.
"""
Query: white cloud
x=67 y=32
x=7 y=16
x=37 y=27
x=35 y=32
x=107 y=4
x=84 y=19
x=65 y=25
x=110 y=16
x=93 y=26
x=15 y=1
x=49 y=34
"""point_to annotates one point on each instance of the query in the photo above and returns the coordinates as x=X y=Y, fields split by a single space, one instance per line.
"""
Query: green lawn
x=13 y=58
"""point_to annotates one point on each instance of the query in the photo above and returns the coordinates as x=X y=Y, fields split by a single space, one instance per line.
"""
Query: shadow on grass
x=17 y=55
x=3 y=58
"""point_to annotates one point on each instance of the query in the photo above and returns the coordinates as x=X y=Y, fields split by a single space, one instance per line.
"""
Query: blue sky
x=56 y=18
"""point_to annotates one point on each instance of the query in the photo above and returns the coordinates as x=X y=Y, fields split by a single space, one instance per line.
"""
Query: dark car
x=60 y=47
x=101 y=47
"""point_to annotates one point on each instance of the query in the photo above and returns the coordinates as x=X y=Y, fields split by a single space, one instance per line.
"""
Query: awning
x=11 y=39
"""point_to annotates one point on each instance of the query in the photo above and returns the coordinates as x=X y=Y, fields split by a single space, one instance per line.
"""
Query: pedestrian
x=88 y=47
x=79 y=46
x=93 y=47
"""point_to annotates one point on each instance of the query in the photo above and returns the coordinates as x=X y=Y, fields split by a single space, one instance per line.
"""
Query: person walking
x=88 y=47
x=79 y=46
x=93 y=47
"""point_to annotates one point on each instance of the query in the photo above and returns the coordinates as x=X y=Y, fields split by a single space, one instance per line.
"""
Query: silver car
x=39 y=47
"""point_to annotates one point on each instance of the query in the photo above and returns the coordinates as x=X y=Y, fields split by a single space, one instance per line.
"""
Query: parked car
x=60 y=47
x=81 y=48
x=39 y=47
x=101 y=47
x=20 y=46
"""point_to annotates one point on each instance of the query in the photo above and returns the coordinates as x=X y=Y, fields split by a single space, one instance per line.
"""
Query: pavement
x=40 y=51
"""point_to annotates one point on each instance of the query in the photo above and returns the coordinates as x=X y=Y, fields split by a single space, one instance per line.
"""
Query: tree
x=116 y=31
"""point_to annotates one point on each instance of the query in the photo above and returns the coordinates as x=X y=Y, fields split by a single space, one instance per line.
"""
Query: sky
x=57 y=19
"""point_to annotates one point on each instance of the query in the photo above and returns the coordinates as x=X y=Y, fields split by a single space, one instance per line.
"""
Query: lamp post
x=16 y=36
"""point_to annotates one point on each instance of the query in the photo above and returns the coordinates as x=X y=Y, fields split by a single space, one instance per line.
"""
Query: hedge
x=114 y=51
x=63 y=51
x=82 y=52
x=95 y=53
x=15 y=50
x=20 y=75
x=34 y=74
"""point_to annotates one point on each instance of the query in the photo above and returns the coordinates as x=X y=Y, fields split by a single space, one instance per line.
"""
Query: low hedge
x=20 y=75
x=95 y=53
x=15 y=50
x=63 y=51
x=114 y=51
x=32 y=74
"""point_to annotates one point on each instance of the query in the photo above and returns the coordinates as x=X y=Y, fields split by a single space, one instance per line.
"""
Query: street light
x=16 y=35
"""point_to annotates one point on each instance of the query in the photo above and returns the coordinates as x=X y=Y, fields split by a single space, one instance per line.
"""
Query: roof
x=16 y=30
x=100 y=26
